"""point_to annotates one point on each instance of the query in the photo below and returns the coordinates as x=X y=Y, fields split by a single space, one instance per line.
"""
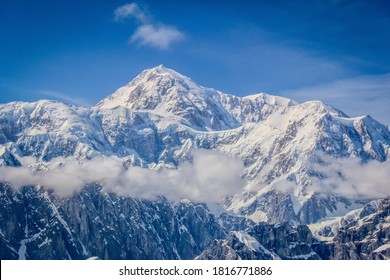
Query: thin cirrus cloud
x=148 y=32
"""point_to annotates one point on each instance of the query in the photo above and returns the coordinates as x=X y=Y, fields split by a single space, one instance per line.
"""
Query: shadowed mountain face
x=155 y=122
x=37 y=225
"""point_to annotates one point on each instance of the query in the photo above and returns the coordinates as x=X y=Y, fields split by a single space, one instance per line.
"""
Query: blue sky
x=81 y=51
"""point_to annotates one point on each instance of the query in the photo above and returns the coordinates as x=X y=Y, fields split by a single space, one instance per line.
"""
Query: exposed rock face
x=38 y=225
x=363 y=234
x=33 y=227
x=235 y=223
x=367 y=237
x=233 y=249
x=265 y=241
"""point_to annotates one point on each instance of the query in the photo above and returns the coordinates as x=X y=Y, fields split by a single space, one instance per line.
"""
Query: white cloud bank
x=210 y=177
x=348 y=177
x=148 y=33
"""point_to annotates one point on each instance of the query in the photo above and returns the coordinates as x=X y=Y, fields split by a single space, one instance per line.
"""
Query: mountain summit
x=151 y=88
x=289 y=151
x=165 y=92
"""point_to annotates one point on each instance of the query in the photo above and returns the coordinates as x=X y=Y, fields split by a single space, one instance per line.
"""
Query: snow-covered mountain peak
x=165 y=92
x=163 y=71
x=162 y=76
x=151 y=88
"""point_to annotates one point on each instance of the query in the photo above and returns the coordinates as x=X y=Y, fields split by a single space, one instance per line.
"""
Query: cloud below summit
x=350 y=178
x=148 y=32
x=209 y=178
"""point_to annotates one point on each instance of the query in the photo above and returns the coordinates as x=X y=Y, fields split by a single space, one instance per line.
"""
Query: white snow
x=2 y=150
x=382 y=248
x=275 y=136
x=216 y=209
x=343 y=209
x=23 y=243
x=94 y=258
x=47 y=241
x=248 y=240
x=332 y=223
x=22 y=249
x=183 y=228
x=306 y=256
x=348 y=121
x=258 y=216
x=85 y=252
x=57 y=214
x=145 y=131
x=335 y=220
x=253 y=244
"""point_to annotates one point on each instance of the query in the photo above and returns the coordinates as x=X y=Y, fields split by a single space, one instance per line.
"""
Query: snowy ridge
x=168 y=93
x=157 y=119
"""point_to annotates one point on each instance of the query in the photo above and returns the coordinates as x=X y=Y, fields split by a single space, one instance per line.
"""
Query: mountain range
x=306 y=188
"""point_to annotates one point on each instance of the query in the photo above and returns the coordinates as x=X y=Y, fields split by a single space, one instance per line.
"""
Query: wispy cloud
x=63 y=97
x=161 y=36
x=356 y=96
x=148 y=32
x=209 y=178
x=131 y=10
